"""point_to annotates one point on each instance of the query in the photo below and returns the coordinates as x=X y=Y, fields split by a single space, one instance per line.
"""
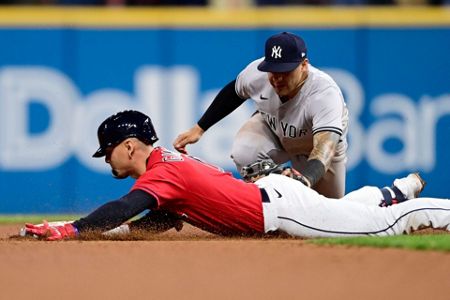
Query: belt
x=264 y=196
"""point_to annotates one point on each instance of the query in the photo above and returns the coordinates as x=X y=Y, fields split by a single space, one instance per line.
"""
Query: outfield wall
x=62 y=71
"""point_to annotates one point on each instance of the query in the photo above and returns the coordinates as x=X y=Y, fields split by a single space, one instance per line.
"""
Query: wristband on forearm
x=313 y=171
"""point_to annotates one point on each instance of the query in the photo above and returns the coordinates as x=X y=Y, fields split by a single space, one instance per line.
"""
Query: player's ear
x=130 y=146
x=304 y=65
x=305 y=62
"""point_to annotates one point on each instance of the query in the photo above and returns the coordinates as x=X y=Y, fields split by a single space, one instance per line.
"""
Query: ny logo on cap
x=276 y=52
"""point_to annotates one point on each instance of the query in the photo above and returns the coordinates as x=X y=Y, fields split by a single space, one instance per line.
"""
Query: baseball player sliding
x=302 y=117
x=176 y=187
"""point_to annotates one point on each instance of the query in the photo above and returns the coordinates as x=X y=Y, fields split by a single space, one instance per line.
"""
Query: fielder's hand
x=293 y=173
x=52 y=232
x=189 y=137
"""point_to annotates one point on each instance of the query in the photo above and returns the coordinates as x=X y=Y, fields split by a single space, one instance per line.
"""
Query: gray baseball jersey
x=319 y=106
x=284 y=132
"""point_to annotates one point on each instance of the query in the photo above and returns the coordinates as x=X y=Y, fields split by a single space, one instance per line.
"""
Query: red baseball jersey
x=202 y=194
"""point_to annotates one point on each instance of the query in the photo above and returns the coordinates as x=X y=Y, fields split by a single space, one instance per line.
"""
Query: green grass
x=35 y=219
x=439 y=242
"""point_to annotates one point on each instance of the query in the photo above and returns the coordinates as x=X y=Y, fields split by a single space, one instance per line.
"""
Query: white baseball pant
x=301 y=211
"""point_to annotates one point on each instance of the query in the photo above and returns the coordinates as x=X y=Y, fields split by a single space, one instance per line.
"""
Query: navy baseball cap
x=122 y=125
x=283 y=53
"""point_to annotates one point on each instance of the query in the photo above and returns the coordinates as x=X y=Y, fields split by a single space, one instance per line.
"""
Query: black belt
x=264 y=196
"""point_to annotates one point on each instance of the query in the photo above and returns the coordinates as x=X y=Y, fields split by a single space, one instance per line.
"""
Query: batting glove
x=52 y=232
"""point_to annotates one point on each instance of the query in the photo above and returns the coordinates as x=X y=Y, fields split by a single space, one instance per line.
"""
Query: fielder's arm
x=223 y=104
x=324 y=146
x=226 y=101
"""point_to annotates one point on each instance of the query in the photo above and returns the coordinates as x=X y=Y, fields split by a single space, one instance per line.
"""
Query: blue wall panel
x=396 y=82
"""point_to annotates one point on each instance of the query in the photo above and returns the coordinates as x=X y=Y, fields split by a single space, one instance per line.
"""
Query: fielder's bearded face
x=287 y=84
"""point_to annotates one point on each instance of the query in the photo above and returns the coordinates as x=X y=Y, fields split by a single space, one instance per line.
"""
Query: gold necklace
x=301 y=83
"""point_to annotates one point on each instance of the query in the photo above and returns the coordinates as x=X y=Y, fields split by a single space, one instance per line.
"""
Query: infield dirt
x=193 y=264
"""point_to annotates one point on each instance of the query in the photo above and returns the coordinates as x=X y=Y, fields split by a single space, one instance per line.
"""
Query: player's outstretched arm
x=226 y=101
x=115 y=213
x=106 y=217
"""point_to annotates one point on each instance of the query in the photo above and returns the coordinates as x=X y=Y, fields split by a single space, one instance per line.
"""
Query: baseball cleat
x=411 y=186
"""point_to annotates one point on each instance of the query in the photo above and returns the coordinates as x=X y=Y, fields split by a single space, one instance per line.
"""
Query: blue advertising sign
x=57 y=84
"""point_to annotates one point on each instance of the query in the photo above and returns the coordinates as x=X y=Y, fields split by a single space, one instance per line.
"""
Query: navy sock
x=398 y=194
x=391 y=195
